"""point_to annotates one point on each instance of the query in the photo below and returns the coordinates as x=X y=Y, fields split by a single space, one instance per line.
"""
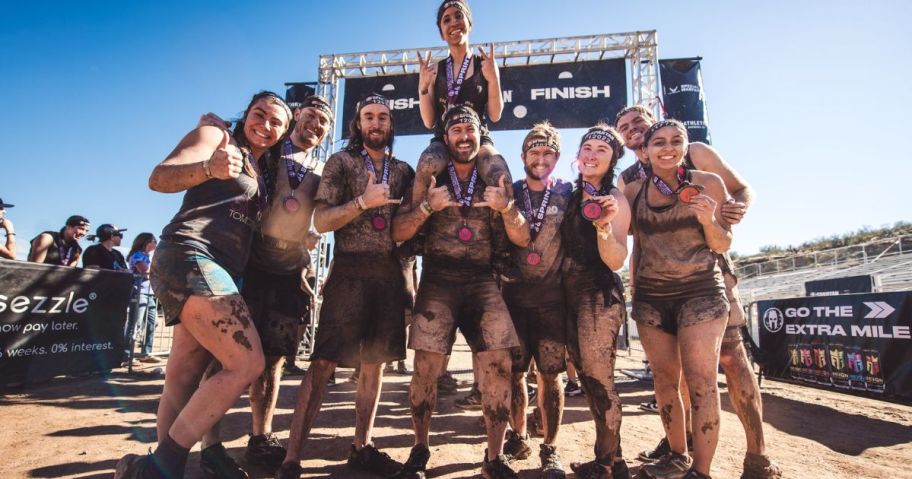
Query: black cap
x=77 y=220
x=107 y=231
x=5 y=205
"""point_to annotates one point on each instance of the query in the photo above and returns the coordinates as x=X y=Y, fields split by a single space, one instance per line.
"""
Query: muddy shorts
x=362 y=318
x=671 y=315
x=541 y=327
x=470 y=302
x=277 y=305
x=592 y=327
x=180 y=271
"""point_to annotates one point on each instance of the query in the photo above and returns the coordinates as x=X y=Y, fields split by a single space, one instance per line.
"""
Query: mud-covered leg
x=662 y=351
x=310 y=398
x=518 y=403
x=491 y=166
x=699 y=346
x=423 y=392
x=551 y=404
x=494 y=383
x=432 y=162
x=368 y=397
x=264 y=392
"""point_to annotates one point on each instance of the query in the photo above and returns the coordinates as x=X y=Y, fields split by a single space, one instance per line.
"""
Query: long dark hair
x=238 y=132
x=140 y=242
x=356 y=137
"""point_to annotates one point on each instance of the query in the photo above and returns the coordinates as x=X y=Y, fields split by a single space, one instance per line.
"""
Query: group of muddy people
x=525 y=270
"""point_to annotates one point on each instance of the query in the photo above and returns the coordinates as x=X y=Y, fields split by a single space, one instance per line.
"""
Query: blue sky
x=806 y=99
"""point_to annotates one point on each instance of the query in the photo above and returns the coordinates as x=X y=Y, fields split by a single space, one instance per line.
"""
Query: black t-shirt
x=98 y=255
x=473 y=93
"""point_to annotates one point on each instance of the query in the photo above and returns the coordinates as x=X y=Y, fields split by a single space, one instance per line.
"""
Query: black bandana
x=467 y=115
x=662 y=124
x=319 y=103
x=537 y=143
x=607 y=137
x=373 y=99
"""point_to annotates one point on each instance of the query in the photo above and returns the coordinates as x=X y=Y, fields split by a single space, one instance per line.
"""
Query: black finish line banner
x=569 y=95
x=859 y=343
x=56 y=320
x=684 y=98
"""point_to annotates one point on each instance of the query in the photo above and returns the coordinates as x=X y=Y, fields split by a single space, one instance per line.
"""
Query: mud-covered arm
x=708 y=208
x=202 y=154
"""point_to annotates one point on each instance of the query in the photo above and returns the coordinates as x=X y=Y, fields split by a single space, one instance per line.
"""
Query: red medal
x=533 y=258
x=464 y=234
x=292 y=204
x=687 y=191
x=379 y=223
x=592 y=210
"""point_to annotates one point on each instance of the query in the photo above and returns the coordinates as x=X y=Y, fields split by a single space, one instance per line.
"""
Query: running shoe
x=516 y=447
x=670 y=466
x=662 y=449
x=590 y=470
x=693 y=474
x=389 y=368
x=471 y=402
x=414 y=467
x=265 y=450
x=292 y=370
x=757 y=466
x=551 y=466
x=131 y=466
x=497 y=468
x=447 y=384
x=331 y=382
x=402 y=369
x=650 y=406
x=218 y=464
x=289 y=470
x=371 y=459
x=531 y=392
x=573 y=389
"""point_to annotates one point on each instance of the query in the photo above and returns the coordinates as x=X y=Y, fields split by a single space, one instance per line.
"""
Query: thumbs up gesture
x=377 y=194
x=495 y=197
x=226 y=161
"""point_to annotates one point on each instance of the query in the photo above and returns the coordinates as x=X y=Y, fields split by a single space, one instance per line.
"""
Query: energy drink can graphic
x=821 y=373
x=874 y=381
x=856 y=365
x=794 y=362
x=839 y=373
x=807 y=362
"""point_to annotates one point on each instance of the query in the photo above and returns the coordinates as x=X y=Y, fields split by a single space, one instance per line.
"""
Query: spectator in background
x=139 y=261
x=103 y=255
x=8 y=251
x=60 y=247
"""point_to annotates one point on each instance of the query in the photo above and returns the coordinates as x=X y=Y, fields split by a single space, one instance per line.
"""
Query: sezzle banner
x=684 y=98
x=56 y=320
x=569 y=95
x=859 y=343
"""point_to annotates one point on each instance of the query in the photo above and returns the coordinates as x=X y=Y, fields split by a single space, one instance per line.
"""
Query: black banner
x=859 y=343
x=845 y=285
x=683 y=96
x=569 y=95
x=56 y=320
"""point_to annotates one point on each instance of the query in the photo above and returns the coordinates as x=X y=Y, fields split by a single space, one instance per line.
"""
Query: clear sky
x=806 y=99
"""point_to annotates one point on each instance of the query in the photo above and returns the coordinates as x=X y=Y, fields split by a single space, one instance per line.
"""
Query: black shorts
x=277 y=305
x=542 y=332
x=472 y=303
x=362 y=318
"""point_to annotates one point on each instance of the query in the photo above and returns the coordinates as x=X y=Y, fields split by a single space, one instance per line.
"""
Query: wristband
x=424 y=91
x=507 y=208
x=426 y=208
x=360 y=202
x=206 y=168
x=601 y=231
x=11 y=234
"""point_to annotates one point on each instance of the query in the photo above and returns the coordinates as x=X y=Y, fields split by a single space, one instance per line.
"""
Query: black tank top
x=218 y=217
x=61 y=252
x=474 y=94
x=581 y=256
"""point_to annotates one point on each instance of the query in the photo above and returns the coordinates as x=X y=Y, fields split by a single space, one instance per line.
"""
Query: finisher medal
x=536 y=218
x=687 y=191
x=379 y=222
x=292 y=204
x=464 y=233
x=592 y=210
x=296 y=174
x=533 y=258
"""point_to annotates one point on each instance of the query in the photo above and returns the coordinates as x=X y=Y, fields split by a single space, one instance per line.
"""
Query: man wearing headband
x=536 y=300
x=458 y=290
x=280 y=251
x=60 y=247
x=362 y=319
x=103 y=255
x=7 y=251
x=633 y=122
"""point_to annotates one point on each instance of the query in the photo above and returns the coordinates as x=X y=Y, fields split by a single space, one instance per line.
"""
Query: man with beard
x=60 y=247
x=362 y=319
x=536 y=301
x=280 y=252
x=458 y=290
x=632 y=123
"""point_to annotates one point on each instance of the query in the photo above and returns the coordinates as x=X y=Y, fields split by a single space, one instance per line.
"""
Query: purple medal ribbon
x=592 y=191
x=465 y=202
x=455 y=86
x=536 y=218
x=591 y=209
x=663 y=187
x=296 y=173
x=65 y=252
x=378 y=221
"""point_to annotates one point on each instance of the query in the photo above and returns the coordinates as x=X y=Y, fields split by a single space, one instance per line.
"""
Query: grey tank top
x=218 y=217
x=673 y=260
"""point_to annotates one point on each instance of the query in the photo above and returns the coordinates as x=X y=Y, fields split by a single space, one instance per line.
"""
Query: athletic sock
x=169 y=460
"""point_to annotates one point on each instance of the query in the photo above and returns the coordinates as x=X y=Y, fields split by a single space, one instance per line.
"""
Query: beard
x=377 y=144
x=533 y=175
x=460 y=156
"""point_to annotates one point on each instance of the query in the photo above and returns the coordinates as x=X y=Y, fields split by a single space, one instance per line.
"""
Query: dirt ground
x=79 y=427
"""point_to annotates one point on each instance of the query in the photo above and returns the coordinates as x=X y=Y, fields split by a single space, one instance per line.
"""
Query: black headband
x=318 y=103
x=662 y=124
x=463 y=117
x=537 y=143
x=374 y=99
x=605 y=136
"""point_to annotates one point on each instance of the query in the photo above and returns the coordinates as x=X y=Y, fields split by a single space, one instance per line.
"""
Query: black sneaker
x=590 y=470
x=572 y=389
x=497 y=469
x=371 y=459
x=472 y=401
x=447 y=384
x=131 y=466
x=416 y=464
x=516 y=447
x=531 y=392
x=266 y=451
x=402 y=369
x=216 y=463
x=551 y=466
x=670 y=466
x=292 y=370
x=662 y=449
x=332 y=380
x=289 y=470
